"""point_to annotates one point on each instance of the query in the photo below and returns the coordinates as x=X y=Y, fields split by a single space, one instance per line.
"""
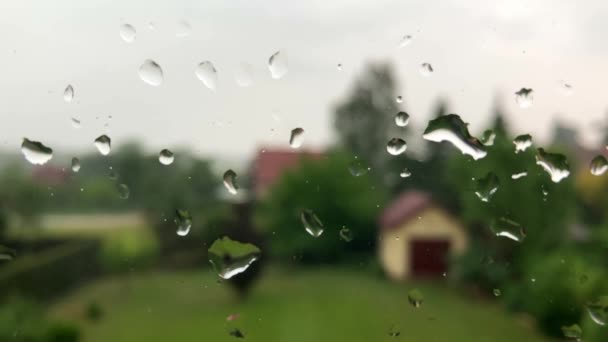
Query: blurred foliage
x=134 y=248
x=93 y=311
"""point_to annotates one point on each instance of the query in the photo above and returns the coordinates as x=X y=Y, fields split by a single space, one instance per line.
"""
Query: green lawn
x=294 y=306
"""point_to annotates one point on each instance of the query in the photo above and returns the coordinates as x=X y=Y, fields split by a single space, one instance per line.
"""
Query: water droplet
x=405 y=173
x=426 y=69
x=183 y=221
x=599 y=165
x=488 y=137
x=311 y=223
x=522 y=142
x=277 y=64
x=232 y=317
x=151 y=73
x=7 y=253
x=519 y=175
x=405 y=40
x=346 y=234
x=68 y=93
x=508 y=228
x=75 y=164
x=524 y=97
x=183 y=29
x=339 y=66
x=236 y=332
x=566 y=88
x=396 y=146
x=113 y=175
x=230 y=182
x=229 y=257
x=402 y=119
x=572 y=331
x=127 y=33
x=451 y=128
x=399 y=99
x=152 y=26
x=496 y=292
x=244 y=75
x=394 y=331
x=487 y=187
x=123 y=191
x=598 y=310
x=166 y=157
x=207 y=73
x=415 y=298
x=35 y=152
x=296 y=138
x=357 y=168
x=103 y=144
x=75 y=123
x=555 y=164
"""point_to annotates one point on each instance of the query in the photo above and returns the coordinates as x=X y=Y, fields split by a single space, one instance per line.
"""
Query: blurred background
x=385 y=171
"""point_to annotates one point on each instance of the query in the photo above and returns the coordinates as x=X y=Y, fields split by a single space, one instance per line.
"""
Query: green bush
x=94 y=311
x=62 y=332
x=128 y=249
x=21 y=321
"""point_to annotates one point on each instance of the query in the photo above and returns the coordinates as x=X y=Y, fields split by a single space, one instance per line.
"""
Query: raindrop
x=566 y=88
x=152 y=26
x=277 y=64
x=183 y=221
x=399 y=99
x=244 y=75
x=35 y=152
x=346 y=234
x=426 y=69
x=68 y=93
x=113 y=175
x=230 y=182
x=311 y=223
x=598 y=310
x=508 y=228
x=405 y=173
x=183 y=29
x=123 y=191
x=296 y=138
x=519 y=175
x=451 y=128
x=229 y=257
x=75 y=123
x=127 y=33
x=151 y=73
x=487 y=187
x=572 y=331
x=554 y=164
x=415 y=298
x=357 y=168
x=207 y=73
x=524 y=97
x=522 y=142
x=496 y=292
x=488 y=137
x=339 y=66
x=236 y=332
x=402 y=119
x=103 y=144
x=166 y=157
x=7 y=253
x=599 y=165
x=405 y=40
x=396 y=146
x=75 y=164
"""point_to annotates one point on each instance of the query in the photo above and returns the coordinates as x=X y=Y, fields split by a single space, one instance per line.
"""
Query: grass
x=322 y=305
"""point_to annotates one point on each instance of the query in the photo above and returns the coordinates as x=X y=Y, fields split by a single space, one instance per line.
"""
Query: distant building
x=417 y=237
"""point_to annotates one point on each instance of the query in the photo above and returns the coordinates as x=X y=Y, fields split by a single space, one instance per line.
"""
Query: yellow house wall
x=433 y=223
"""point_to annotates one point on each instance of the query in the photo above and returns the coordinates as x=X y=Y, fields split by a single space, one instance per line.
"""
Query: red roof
x=269 y=165
x=404 y=208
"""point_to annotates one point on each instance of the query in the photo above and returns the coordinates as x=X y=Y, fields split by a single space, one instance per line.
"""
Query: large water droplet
x=35 y=152
x=488 y=137
x=402 y=119
x=123 y=191
x=357 y=168
x=183 y=221
x=524 y=97
x=7 y=253
x=151 y=73
x=166 y=157
x=426 y=69
x=555 y=164
x=415 y=298
x=277 y=64
x=75 y=123
x=68 y=93
x=598 y=310
x=103 y=144
x=75 y=164
x=311 y=223
x=599 y=165
x=487 y=187
x=396 y=146
x=522 y=142
x=296 y=138
x=405 y=40
x=572 y=331
x=496 y=292
x=508 y=228
x=451 y=128
x=127 y=33
x=244 y=75
x=346 y=234
x=230 y=182
x=207 y=73
x=405 y=173
x=183 y=29
x=230 y=257
x=519 y=175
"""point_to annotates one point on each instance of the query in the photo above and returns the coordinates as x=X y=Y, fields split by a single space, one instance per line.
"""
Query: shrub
x=128 y=249
x=63 y=332
x=94 y=311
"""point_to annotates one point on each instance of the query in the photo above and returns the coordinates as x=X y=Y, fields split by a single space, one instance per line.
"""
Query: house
x=417 y=237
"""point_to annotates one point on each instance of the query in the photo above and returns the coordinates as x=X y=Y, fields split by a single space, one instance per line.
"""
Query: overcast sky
x=479 y=50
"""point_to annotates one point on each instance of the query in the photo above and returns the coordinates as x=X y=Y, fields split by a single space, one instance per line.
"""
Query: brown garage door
x=429 y=257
